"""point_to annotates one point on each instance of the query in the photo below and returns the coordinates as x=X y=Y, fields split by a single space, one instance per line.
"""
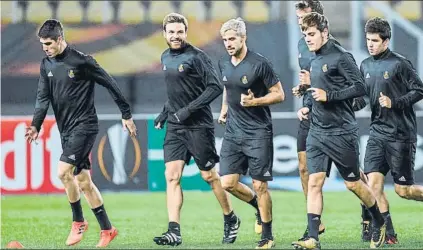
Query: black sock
x=254 y=203
x=267 y=231
x=376 y=215
x=77 y=211
x=175 y=228
x=229 y=217
x=389 y=225
x=102 y=218
x=313 y=225
x=365 y=214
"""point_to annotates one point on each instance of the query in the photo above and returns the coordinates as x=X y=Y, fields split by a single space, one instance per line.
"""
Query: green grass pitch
x=44 y=221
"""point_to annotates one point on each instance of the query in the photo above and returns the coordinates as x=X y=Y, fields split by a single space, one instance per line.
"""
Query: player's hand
x=385 y=101
x=160 y=120
x=247 y=100
x=302 y=113
x=181 y=115
x=130 y=126
x=296 y=91
x=222 y=118
x=304 y=77
x=31 y=134
x=318 y=94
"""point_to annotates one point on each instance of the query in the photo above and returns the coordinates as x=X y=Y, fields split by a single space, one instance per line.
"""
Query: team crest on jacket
x=244 y=80
x=71 y=74
x=181 y=68
x=325 y=68
x=386 y=75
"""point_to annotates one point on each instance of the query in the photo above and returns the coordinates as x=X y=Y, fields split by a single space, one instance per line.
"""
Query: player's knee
x=260 y=187
x=315 y=183
x=84 y=182
x=209 y=176
x=173 y=176
x=85 y=185
x=302 y=167
x=228 y=184
x=351 y=185
x=65 y=176
x=403 y=191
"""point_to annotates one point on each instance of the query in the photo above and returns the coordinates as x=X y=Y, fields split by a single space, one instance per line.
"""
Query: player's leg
x=68 y=160
x=260 y=164
x=318 y=164
x=302 y=166
x=376 y=167
x=95 y=200
x=79 y=224
x=201 y=144
x=302 y=158
x=401 y=157
x=233 y=163
x=366 y=217
x=175 y=155
x=344 y=150
x=79 y=147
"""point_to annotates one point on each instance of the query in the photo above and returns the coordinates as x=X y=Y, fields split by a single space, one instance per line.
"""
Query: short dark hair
x=315 y=19
x=52 y=29
x=175 y=18
x=314 y=5
x=379 y=26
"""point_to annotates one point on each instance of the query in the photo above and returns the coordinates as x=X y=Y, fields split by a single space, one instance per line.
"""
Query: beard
x=182 y=42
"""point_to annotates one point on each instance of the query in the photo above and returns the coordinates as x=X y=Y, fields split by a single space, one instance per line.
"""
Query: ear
x=386 y=42
x=164 y=33
x=326 y=33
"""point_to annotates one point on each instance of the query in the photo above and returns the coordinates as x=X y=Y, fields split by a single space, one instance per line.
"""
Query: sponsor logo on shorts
x=351 y=175
x=402 y=178
x=72 y=157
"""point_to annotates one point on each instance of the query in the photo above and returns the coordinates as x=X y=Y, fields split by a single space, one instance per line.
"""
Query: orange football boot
x=76 y=233
x=106 y=236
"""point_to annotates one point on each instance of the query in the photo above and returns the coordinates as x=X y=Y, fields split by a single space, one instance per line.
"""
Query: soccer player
x=192 y=84
x=250 y=86
x=67 y=81
x=305 y=56
x=393 y=87
x=333 y=136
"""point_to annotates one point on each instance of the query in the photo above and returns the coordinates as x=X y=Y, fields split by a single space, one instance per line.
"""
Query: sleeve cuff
x=126 y=116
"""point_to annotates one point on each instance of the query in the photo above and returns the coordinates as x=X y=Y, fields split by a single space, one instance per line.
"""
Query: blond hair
x=175 y=18
x=237 y=25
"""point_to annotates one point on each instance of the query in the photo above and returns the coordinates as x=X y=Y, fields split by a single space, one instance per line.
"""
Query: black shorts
x=382 y=156
x=77 y=147
x=343 y=150
x=182 y=144
x=237 y=156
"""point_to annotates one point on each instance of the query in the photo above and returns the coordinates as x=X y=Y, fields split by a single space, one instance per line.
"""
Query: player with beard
x=251 y=86
x=192 y=84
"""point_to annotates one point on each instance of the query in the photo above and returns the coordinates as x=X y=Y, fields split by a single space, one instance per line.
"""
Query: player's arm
x=42 y=102
x=414 y=85
x=97 y=73
x=208 y=73
x=100 y=76
x=271 y=81
x=359 y=103
x=160 y=120
x=348 y=68
x=308 y=100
